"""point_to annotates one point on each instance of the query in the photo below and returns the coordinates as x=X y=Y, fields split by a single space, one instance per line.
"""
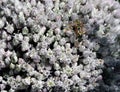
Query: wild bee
x=78 y=28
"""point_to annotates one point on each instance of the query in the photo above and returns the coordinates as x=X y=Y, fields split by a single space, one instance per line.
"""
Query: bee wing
x=76 y=43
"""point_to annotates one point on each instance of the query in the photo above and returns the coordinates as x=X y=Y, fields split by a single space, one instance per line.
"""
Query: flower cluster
x=39 y=54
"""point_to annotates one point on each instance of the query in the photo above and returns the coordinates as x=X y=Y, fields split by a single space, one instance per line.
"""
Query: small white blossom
x=62 y=41
x=25 y=31
x=116 y=13
x=14 y=58
x=36 y=37
x=21 y=17
x=50 y=82
x=1 y=23
x=56 y=66
x=43 y=29
x=26 y=81
x=49 y=4
x=12 y=66
x=43 y=51
x=67 y=70
x=57 y=73
x=1 y=78
x=33 y=2
x=57 y=31
x=25 y=45
x=9 y=28
x=4 y=35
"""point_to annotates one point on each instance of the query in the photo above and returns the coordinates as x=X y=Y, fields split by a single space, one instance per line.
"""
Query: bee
x=78 y=27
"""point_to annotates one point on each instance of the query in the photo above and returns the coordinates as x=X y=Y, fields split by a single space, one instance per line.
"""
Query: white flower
x=81 y=48
x=57 y=73
x=2 y=44
x=62 y=41
x=36 y=37
x=49 y=40
x=52 y=59
x=11 y=90
x=49 y=53
x=26 y=38
x=9 y=28
x=25 y=31
x=68 y=82
x=40 y=6
x=57 y=48
x=1 y=23
x=49 y=4
x=18 y=37
x=43 y=51
x=35 y=28
x=68 y=70
x=116 y=22
x=76 y=69
x=74 y=58
x=56 y=66
x=40 y=84
x=18 y=68
x=90 y=86
x=30 y=21
x=101 y=33
x=62 y=4
x=1 y=78
x=4 y=35
x=2 y=51
x=25 y=45
x=7 y=11
x=71 y=3
x=67 y=60
x=14 y=58
x=18 y=78
x=83 y=74
x=72 y=38
x=58 y=37
x=94 y=12
x=2 y=64
x=44 y=44
x=109 y=18
x=83 y=89
x=63 y=77
x=26 y=81
x=3 y=91
x=116 y=13
x=96 y=72
x=83 y=1
x=18 y=6
x=57 y=31
x=116 y=29
x=87 y=8
x=33 y=2
x=49 y=33
x=111 y=37
x=21 y=17
x=62 y=57
x=60 y=83
x=75 y=78
x=51 y=15
x=12 y=66
x=7 y=60
x=42 y=30
x=2 y=86
x=74 y=50
x=50 y=82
